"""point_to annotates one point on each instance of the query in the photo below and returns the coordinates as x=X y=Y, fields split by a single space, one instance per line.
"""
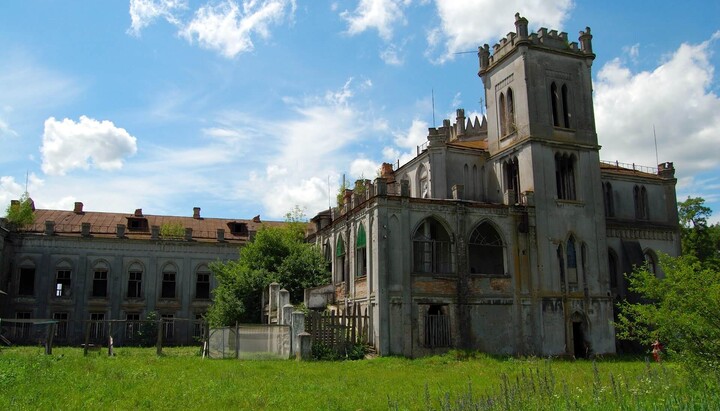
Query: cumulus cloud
x=144 y=12
x=408 y=141
x=68 y=145
x=228 y=27
x=380 y=15
x=364 y=168
x=467 y=24
x=676 y=98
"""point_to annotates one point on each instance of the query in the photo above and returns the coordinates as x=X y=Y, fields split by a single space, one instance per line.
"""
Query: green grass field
x=138 y=379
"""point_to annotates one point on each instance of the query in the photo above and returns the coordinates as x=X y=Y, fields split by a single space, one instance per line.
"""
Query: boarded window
x=486 y=251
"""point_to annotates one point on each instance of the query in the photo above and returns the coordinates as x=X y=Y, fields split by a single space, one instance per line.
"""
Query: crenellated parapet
x=548 y=39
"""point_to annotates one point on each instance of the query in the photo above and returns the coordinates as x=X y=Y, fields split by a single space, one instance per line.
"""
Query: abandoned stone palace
x=505 y=234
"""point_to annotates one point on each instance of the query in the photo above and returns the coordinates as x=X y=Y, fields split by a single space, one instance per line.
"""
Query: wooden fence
x=337 y=329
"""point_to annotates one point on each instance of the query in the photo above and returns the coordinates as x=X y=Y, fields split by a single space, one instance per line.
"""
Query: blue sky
x=246 y=107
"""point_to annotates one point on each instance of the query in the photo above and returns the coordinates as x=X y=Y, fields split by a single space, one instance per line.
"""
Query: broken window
x=512 y=179
x=100 y=283
x=137 y=224
x=97 y=326
x=168 y=283
x=26 y=284
x=22 y=329
x=61 y=326
x=202 y=284
x=361 y=253
x=565 y=176
x=132 y=325
x=340 y=260
x=431 y=248
x=437 y=327
x=486 y=252
x=168 y=326
x=62 y=283
x=239 y=229
x=135 y=274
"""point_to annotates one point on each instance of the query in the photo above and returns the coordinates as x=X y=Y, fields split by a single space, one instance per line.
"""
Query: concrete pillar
x=305 y=351
x=284 y=298
x=298 y=326
x=286 y=314
x=273 y=301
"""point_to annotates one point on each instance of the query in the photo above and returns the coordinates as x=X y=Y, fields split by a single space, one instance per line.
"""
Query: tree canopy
x=276 y=254
x=697 y=237
x=681 y=310
x=22 y=212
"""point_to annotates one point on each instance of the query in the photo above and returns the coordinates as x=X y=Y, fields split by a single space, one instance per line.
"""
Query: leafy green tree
x=276 y=254
x=682 y=311
x=21 y=213
x=697 y=237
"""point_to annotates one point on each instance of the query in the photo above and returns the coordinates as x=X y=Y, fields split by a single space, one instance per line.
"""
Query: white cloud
x=12 y=190
x=409 y=140
x=227 y=27
x=68 y=145
x=467 y=24
x=144 y=12
x=676 y=98
x=390 y=55
x=364 y=168
x=380 y=15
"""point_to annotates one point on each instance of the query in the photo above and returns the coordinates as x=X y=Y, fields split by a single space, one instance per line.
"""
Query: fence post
x=206 y=335
x=287 y=310
x=87 y=337
x=305 y=347
x=110 y=339
x=49 y=339
x=298 y=326
x=237 y=341
x=158 y=344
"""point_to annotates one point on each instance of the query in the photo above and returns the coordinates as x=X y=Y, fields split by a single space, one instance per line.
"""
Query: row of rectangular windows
x=63 y=282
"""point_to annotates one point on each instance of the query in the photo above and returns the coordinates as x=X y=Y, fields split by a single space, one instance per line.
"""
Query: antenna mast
x=432 y=93
x=657 y=161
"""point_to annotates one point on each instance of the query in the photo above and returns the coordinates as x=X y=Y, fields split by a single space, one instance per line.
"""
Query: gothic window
x=340 y=260
x=361 y=253
x=571 y=254
x=169 y=275
x=565 y=176
x=613 y=268
x=510 y=109
x=651 y=262
x=555 y=101
x=641 y=202
x=512 y=179
x=503 y=114
x=486 y=253
x=475 y=192
x=609 y=202
x=565 y=106
x=327 y=253
x=135 y=274
x=431 y=248
x=202 y=283
x=561 y=263
x=423 y=185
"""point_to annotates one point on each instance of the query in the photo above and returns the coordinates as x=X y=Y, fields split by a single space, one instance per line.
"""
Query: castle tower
x=542 y=140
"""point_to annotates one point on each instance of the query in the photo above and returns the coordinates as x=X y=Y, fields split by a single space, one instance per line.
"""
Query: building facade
x=102 y=273
x=506 y=234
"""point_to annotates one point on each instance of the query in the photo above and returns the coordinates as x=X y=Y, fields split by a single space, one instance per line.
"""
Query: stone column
x=305 y=351
x=273 y=301
x=298 y=327
x=286 y=314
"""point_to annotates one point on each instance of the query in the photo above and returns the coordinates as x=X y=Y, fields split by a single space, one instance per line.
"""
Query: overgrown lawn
x=138 y=379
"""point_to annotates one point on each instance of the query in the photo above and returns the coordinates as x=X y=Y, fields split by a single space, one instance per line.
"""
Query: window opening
x=571 y=260
x=437 y=327
x=651 y=262
x=503 y=114
x=62 y=283
x=202 y=286
x=431 y=248
x=199 y=326
x=486 y=251
x=613 y=268
x=565 y=176
x=168 y=285
x=565 y=106
x=608 y=197
x=340 y=260
x=135 y=284
x=361 y=253
x=26 y=284
x=510 y=111
x=555 y=101
x=100 y=282
x=512 y=179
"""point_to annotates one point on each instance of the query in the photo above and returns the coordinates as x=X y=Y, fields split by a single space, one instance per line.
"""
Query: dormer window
x=137 y=224
x=239 y=229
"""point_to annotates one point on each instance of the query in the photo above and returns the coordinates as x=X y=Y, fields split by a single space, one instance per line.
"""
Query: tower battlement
x=548 y=39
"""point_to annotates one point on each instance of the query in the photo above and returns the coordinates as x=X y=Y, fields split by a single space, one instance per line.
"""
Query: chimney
x=138 y=212
x=256 y=219
x=78 y=208
x=386 y=170
x=196 y=213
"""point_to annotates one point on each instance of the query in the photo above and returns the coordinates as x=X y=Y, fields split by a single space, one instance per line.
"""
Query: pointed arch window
x=565 y=176
x=340 y=260
x=510 y=108
x=555 y=101
x=608 y=199
x=503 y=114
x=512 y=179
x=431 y=248
x=361 y=253
x=423 y=184
x=571 y=253
x=486 y=251
x=565 y=106
x=651 y=262
x=613 y=268
x=641 y=202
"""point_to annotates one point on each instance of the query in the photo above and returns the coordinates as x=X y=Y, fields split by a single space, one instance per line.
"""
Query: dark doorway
x=579 y=345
